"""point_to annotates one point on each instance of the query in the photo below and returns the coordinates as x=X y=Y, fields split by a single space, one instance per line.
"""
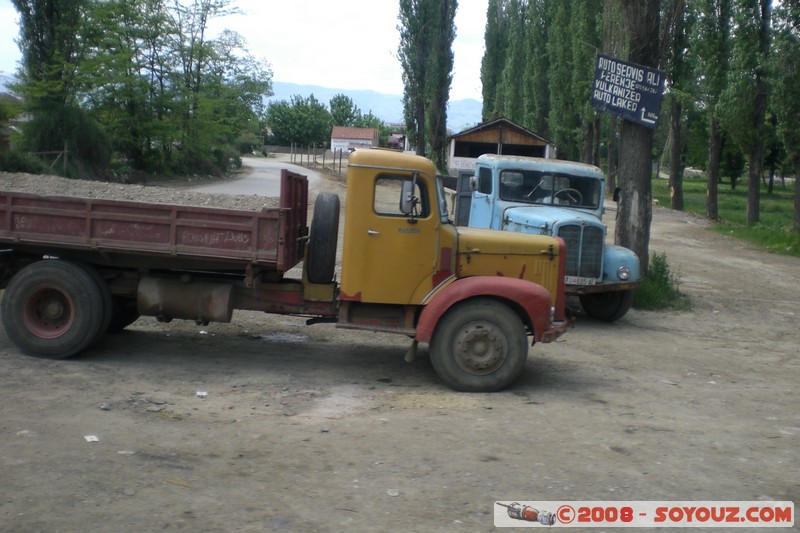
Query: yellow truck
x=73 y=269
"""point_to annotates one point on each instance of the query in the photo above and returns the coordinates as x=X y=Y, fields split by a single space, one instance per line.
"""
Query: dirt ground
x=267 y=424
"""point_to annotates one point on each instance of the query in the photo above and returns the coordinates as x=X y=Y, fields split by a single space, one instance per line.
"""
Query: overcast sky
x=344 y=44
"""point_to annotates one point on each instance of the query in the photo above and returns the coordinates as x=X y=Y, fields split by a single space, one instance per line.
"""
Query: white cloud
x=9 y=30
x=347 y=44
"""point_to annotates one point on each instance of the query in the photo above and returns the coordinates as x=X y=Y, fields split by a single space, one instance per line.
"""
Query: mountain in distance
x=461 y=114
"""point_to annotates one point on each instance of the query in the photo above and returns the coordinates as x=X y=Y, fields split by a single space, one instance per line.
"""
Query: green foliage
x=773 y=233
x=343 y=111
x=70 y=129
x=14 y=161
x=10 y=107
x=511 y=90
x=538 y=67
x=562 y=114
x=738 y=98
x=301 y=121
x=496 y=42
x=786 y=66
x=427 y=30
x=660 y=288
x=139 y=80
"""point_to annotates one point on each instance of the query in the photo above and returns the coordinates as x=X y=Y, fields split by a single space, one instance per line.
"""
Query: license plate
x=577 y=280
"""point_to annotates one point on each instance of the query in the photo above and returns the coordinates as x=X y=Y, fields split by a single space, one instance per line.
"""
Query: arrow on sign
x=646 y=119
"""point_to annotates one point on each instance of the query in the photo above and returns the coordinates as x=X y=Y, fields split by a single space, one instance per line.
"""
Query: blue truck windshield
x=548 y=188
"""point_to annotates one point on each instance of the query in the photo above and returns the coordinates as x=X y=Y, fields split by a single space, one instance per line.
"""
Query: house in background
x=346 y=139
x=500 y=136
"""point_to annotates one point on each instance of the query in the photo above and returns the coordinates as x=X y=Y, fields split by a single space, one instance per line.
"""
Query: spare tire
x=323 y=239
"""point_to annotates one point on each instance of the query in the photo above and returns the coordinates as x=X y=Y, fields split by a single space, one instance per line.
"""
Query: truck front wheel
x=479 y=345
x=607 y=306
x=52 y=309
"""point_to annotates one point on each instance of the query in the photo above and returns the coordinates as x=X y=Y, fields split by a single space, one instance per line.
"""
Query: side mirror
x=617 y=193
x=474 y=184
x=407 y=199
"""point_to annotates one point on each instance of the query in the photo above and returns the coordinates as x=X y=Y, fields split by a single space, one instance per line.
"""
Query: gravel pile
x=57 y=186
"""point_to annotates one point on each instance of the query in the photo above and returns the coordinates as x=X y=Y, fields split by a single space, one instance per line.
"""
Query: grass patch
x=660 y=288
x=773 y=233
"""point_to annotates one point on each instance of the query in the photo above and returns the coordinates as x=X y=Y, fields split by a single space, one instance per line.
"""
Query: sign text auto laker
x=631 y=91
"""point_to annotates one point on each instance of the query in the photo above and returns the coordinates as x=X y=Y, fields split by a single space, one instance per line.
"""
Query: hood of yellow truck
x=495 y=242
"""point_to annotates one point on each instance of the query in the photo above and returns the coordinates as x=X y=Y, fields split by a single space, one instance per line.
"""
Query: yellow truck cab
x=473 y=294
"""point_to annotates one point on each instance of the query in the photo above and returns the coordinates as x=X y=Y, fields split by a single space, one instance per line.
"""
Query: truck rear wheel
x=479 y=346
x=52 y=309
x=323 y=239
x=607 y=306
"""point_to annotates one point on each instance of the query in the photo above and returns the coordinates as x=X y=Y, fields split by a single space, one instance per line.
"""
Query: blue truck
x=556 y=198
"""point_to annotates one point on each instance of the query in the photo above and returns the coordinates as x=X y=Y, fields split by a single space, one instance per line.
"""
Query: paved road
x=261 y=176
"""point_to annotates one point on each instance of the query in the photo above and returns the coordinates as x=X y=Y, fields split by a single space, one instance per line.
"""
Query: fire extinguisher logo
x=527 y=513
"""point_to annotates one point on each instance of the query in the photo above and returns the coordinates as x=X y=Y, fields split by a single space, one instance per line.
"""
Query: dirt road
x=266 y=424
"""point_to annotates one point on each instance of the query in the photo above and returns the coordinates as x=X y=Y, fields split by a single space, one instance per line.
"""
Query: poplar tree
x=536 y=75
x=585 y=42
x=787 y=95
x=427 y=31
x=440 y=79
x=745 y=95
x=676 y=22
x=496 y=42
x=52 y=50
x=563 y=114
x=515 y=65
x=711 y=41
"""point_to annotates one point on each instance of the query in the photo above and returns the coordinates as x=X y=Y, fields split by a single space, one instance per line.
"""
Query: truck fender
x=614 y=257
x=530 y=300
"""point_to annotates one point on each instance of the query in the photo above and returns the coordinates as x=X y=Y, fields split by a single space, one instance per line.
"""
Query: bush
x=12 y=161
x=660 y=287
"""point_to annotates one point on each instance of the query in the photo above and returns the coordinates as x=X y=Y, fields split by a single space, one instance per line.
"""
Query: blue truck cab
x=556 y=198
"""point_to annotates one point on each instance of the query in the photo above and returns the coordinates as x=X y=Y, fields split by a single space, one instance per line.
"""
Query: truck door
x=389 y=254
x=482 y=205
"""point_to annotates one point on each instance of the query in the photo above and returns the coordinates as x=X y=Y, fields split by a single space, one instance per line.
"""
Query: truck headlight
x=623 y=273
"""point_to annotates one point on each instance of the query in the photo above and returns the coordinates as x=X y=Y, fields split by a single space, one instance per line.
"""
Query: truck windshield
x=537 y=187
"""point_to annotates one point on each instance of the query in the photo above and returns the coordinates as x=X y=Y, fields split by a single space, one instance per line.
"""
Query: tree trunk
x=597 y=128
x=612 y=152
x=712 y=181
x=675 y=166
x=635 y=208
x=760 y=112
x=635 y=211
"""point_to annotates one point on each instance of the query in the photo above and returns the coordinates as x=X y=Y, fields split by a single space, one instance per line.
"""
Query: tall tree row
x=730 y=107
x=538 y=67
x=140 y=79
x=427 y=31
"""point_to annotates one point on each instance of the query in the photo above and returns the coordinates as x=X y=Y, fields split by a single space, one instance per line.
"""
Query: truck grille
x=584 y=250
